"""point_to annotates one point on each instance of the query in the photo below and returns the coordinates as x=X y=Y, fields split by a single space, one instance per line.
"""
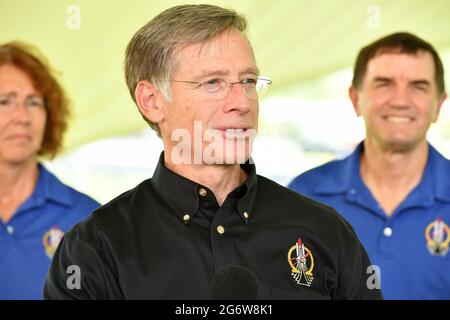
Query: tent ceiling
x=294 y=42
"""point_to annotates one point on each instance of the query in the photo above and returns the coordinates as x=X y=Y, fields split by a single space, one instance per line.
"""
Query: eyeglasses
x=220 y=89
x=10 y=103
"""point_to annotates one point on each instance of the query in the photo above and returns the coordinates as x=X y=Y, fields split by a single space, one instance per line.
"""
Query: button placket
x=222 y=234
x=386 y=242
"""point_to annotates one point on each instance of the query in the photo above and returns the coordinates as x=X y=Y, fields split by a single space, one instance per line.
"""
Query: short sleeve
x=357 y=276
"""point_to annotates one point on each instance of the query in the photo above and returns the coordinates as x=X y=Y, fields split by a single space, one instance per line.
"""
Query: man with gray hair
x=205 y=225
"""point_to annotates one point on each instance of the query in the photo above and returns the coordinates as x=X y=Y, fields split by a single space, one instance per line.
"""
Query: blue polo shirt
x=411 y=245
x=29 y=239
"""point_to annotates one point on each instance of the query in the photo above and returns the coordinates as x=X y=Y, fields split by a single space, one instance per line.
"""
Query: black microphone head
x=234 y=282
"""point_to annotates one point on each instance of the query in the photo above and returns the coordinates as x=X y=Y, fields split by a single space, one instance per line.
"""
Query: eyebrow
x=13 y=94
x=210 y=73
x=9 y=94
x=251 y=70
x=382 y=79
x=421 y=82
x=223 y=72
x=416 y=82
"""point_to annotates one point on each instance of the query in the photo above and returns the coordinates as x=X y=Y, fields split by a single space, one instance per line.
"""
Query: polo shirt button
x=202 y=192
x=186 y=217
x=387 y=232
x=10 y=229
x=220 y=230
x=245 y=214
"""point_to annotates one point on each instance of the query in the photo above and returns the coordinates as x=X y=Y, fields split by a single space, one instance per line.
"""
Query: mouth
x=235 y=130
x=231 y=133
x=19 y=137
x=398 y=119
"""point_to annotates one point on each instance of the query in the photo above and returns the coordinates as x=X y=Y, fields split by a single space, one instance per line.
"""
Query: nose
x=400 y=97
x=237 y=99
x=21 y=114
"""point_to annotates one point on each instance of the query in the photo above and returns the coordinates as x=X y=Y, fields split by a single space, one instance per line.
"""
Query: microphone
x=235 y=282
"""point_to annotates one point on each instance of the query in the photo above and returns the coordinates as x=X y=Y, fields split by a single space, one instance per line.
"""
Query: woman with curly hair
x=35 y=207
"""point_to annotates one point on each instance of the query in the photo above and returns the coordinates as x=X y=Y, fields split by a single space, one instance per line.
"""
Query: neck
x=391 y=175
x=17 y=183
x=220 y=179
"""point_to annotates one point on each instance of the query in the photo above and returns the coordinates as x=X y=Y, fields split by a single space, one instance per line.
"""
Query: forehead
x=406 y=66
x=11 y=76
x=229 y=51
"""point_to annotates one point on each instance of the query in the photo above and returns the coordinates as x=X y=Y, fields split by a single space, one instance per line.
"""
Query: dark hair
x=30 y=61
x=401 y=42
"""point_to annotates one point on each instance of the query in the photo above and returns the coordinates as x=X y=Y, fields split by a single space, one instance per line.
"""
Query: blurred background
x=306 y=47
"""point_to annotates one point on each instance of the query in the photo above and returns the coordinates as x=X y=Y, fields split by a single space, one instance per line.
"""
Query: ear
x=354 y=97
x=148 y=104
x=439 y=105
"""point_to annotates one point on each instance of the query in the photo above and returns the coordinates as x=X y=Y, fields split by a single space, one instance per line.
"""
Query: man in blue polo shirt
x=395 y=187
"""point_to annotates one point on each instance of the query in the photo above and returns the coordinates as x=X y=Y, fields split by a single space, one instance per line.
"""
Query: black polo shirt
x=168 y=237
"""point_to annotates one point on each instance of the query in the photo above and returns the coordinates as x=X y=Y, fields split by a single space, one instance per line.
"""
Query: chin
x=401 y=145
x=18 y=162
x=19 y=157
x=229 y=154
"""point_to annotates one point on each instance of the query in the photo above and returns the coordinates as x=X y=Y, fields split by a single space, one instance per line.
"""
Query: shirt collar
x=49 y=187
x=182 y=194
x=435 y=182
x=345 y=175
x=436 y=177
